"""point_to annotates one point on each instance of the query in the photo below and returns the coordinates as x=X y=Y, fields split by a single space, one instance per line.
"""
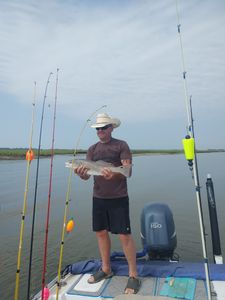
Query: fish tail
x=125 y=170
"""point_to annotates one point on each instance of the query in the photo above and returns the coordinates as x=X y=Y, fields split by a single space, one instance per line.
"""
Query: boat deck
x=159 y=280
x=76 y=287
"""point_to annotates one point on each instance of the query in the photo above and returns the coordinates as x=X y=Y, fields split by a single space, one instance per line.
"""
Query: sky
x=122 y=54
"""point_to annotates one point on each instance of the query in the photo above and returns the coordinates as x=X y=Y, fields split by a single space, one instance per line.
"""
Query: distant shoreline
x=20 y=154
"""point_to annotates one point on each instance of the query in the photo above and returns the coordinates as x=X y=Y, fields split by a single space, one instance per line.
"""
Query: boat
x=161 y=273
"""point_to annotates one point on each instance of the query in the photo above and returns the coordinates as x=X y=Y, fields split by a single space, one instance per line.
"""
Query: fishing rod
x=190 y=153
x=35 y=190
x=49 y=191
x=217 y=253
x=29 y=158
x=67 y=201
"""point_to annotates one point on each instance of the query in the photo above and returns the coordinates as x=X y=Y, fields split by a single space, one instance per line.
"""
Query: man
x=110 y=200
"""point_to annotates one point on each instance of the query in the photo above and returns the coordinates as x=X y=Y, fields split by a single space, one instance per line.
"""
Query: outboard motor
x=158 y=231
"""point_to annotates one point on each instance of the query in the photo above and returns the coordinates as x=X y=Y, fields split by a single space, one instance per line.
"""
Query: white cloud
x=121 y=53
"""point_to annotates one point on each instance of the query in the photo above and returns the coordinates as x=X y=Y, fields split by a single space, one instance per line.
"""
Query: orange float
x=70 y=225
x=29 y=155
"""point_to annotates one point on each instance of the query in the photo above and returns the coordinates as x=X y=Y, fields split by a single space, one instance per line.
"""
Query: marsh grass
x=20 y=153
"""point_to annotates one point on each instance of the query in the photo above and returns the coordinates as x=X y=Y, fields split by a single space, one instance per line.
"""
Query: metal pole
x=195 y=165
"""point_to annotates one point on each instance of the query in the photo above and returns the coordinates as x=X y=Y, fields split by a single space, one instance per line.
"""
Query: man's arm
x=82 y=172
x=108 y=174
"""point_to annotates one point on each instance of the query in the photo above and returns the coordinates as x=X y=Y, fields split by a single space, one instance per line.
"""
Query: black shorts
x=111 y=215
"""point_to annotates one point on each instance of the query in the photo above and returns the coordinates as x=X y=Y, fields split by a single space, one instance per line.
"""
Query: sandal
x=133 y=284
x=99 y=275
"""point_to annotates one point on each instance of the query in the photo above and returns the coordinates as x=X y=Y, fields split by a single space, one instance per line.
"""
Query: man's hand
x=82 y=172
x=107 y=174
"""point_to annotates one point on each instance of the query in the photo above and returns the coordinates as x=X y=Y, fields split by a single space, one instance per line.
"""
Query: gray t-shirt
x=113 y=152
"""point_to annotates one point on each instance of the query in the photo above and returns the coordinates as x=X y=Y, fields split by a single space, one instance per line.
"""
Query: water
x=156 y=178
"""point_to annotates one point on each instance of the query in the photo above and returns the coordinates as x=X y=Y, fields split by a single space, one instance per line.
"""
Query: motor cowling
x=158 y=231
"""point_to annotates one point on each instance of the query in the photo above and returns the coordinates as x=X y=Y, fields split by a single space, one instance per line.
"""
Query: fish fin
x=68 y=164
x=103 y=163
x=93 y=172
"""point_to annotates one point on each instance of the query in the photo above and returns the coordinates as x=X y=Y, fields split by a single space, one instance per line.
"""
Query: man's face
x=104 y=133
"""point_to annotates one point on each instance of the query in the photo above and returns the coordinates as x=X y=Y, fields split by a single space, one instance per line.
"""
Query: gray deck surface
x=149 y=286
x=117 y=286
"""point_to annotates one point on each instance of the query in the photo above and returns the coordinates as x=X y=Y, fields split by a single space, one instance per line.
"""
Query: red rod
x=49 y=194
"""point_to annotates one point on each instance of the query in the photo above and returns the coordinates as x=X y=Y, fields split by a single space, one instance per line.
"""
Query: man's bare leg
x=130 y=253
x=104 y=245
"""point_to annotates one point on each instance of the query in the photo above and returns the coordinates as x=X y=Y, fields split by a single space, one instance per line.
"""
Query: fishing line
x=68 y=199
x=195 y=165
x=183 y=66
x=35 y=190
x=49 y=191
x=29 y=158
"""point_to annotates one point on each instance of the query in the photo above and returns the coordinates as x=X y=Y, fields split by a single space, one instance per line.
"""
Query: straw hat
x=103 y=120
